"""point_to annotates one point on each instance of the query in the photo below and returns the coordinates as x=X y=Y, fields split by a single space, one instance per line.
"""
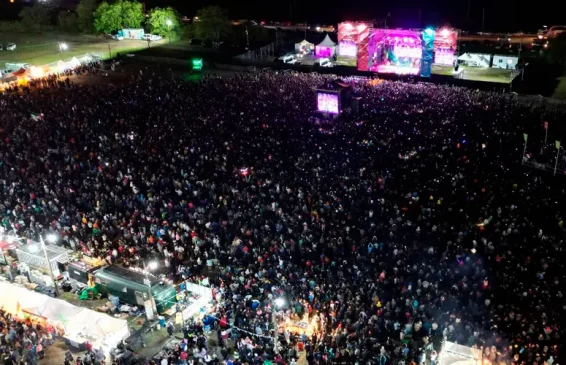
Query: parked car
x=152 y=37
x=290 y=58
x=323 y=62
x=11 y=47
x=117 y=37
x=1 y=48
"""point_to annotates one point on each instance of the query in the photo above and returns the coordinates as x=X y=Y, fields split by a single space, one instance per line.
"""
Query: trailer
x=134 y=288
x=129 y=33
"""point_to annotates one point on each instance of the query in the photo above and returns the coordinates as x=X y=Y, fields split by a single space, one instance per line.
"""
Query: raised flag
x=525 y=136
x=545 y=125
x=557 y=144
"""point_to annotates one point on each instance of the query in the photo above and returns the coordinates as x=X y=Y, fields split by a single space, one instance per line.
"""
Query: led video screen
x=328 y=102
x=395 y=51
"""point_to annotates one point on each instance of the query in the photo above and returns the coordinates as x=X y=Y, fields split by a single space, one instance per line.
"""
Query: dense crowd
x=23 y=342
x=388 y=230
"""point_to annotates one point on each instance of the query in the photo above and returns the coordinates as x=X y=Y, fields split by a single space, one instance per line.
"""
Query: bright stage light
x=153 y=265
x=361 y=27
x=445 y=32
x=429 y=32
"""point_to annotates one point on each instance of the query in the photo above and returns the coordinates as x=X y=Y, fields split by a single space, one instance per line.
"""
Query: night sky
x=499 y=15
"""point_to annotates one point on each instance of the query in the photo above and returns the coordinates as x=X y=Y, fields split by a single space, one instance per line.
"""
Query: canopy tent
x=326 y=48
x=304 y=47
x=475 y=59
x=52 y=309
x=78 y=323
x=455 y=354
x=32 y=254
x=103 y=330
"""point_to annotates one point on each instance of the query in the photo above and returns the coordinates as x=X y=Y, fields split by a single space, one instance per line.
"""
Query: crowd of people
x=22 y=342
x=388 y=230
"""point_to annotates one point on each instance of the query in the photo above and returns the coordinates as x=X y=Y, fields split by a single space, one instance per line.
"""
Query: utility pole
x=420 y=18
x=469 y=8
x=247 y=37
x=48 y=263
x=483 y=20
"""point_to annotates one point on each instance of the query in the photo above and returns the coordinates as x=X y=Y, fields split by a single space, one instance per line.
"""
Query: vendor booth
x=304 y=47
x=6 y=247
x=455 y=354
x=326 y=48
x=76 y=325
x=32 y=254
x=197 y=301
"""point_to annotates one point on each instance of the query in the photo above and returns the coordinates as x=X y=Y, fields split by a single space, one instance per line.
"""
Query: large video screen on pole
x=328 y=102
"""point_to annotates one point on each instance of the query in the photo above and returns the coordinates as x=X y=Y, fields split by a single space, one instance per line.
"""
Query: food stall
x=76 y=325
x=7 y=247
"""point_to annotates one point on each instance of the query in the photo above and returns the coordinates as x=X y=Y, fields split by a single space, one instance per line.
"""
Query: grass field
x=560 y=90
x=40 y=49
x=477 y=74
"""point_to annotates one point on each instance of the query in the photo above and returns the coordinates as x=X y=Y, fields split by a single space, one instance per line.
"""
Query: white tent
x=79 y=323
x=326 y=48
x=304 y=46
x=455 y=354
x=506 y=62
x=475 y=59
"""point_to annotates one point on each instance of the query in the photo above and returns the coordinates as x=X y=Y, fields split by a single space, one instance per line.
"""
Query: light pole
x=278 y=303
x=152 y=266
x=169 y=24
x=247 y=37
x=63 y=47
x=50 y=238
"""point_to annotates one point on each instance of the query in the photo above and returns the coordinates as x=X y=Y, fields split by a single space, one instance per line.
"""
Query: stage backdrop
x=445 y=43
x=394 y=51
x=352 y=44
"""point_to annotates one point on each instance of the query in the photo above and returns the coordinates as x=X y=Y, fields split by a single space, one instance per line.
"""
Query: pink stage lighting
x=444 y=56
x=395 y=51
x=397 y=69
x=348 y=49
x=323 y=51
x=328 y=103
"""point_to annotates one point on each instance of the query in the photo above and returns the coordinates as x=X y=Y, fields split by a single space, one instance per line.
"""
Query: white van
x=151 y=37
x=323 y=62
x=290 y=58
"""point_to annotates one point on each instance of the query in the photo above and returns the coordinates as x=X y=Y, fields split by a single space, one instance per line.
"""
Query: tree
x=35 y=18
x=187 y=31
x=556 y=51
x=132 y=14
x=85 y=12
x=120 y=14
x=211 y=22
x=164 y=22
x=68 y=21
